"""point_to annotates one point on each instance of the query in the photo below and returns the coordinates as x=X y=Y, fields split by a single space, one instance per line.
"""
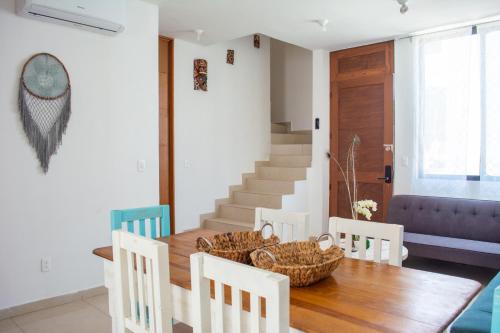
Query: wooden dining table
x=359 y=296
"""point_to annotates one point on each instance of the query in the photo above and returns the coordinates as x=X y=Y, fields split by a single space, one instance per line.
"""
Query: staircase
x=277 y=183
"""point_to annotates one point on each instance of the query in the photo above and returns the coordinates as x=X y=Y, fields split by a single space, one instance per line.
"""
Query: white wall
x=319 y=173
x=65 y=213
x=291 y=85
x=404 y=119
x=219 y=134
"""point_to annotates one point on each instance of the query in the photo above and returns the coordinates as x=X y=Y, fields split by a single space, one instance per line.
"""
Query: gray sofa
x=457 y=230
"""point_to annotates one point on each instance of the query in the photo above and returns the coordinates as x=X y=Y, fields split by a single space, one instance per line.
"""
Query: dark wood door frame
x=360 y=68
x=166 y=131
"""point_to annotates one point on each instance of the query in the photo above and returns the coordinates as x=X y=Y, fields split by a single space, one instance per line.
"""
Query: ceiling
x=351 y=22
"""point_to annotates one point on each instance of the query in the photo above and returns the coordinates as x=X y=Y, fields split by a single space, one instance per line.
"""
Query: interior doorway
x=166 y=125
x=361 y=103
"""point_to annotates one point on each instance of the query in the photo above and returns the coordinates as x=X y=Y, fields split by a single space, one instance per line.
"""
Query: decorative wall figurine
x=230 y=57
x=256 y=41
x=200 y=74
x=44 y=104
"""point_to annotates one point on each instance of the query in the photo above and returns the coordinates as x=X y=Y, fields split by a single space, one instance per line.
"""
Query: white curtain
x=447 y=116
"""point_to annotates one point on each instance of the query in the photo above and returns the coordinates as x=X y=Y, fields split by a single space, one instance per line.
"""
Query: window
x=458 y=110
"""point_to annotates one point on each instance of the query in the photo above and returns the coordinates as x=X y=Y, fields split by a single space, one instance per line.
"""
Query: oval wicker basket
x=304 y=262
x=236 y=246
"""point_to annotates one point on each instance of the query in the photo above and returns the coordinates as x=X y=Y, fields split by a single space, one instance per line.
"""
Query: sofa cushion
x=447 y=217
x=461 y=256
x=454 y=243
x=477 y=318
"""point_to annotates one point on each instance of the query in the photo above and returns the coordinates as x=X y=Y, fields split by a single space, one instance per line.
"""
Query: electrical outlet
x=46 y=264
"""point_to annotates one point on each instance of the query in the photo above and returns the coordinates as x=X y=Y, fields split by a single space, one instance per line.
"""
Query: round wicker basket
x=236 y=246
x=304 y=262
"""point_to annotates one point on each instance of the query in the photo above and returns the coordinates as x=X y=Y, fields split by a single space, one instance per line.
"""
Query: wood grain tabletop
x=360 y=296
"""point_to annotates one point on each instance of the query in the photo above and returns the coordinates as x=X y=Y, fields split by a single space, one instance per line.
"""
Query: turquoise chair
x=482 y=315
x=495 y=320
x=143 y=215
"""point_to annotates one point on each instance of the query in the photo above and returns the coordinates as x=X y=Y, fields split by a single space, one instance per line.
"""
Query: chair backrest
x=275 y=288
x=495 y=319
x=393 y=233
x=288 y=226
x=151 y=222
x=142 y=284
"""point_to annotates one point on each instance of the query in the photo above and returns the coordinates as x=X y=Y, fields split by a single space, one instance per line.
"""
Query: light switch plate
x=405 y=161
x=141 y=165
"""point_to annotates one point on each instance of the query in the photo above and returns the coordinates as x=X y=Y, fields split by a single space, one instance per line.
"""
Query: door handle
x=387 y=175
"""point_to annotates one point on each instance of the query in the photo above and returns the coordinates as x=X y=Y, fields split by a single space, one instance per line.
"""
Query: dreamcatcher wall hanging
x=44 y=104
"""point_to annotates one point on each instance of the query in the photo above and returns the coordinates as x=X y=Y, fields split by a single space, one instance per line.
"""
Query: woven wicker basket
x=304 y=263
x=236 y=246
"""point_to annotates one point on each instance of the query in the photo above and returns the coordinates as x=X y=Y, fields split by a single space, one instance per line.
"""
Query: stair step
x=291 y=160
x=258 y=199
x=287 y=138
x=268 y=185
x=237 y=212
x=291 y=149
x=227 y=225
x=308 y=132
x=279 y=128
x=280 y=173
x=291 y=155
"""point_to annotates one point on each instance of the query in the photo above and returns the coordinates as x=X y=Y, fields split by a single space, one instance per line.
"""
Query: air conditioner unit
x=106 y=16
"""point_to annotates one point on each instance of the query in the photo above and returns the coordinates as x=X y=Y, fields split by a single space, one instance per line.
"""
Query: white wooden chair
x=393 y=233
x=142 y=282
x=217 y=317
x=288 y=226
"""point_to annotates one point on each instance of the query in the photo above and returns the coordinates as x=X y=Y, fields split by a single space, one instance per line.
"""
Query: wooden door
x=166 y=128
x=361 y=103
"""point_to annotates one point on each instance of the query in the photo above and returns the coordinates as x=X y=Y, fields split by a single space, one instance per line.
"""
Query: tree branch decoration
x=358 y=207
x=44 y=104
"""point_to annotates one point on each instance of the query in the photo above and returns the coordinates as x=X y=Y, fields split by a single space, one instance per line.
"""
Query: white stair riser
x=258 y=200
x=237 y=213
x=278 y=138
x=265 y=185
x=281 y=173
x=225 y=227
x=291 y=149
x=290 y=161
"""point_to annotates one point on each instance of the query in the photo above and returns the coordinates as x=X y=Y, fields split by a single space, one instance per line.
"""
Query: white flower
x=365 y=208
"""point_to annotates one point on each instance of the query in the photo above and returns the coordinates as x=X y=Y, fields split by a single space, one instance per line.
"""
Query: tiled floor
x=480 y=274
x=89 y=315
x=85 y=316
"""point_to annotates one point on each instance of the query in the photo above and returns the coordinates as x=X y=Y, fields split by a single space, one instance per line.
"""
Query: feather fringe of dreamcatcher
x=44 y=145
